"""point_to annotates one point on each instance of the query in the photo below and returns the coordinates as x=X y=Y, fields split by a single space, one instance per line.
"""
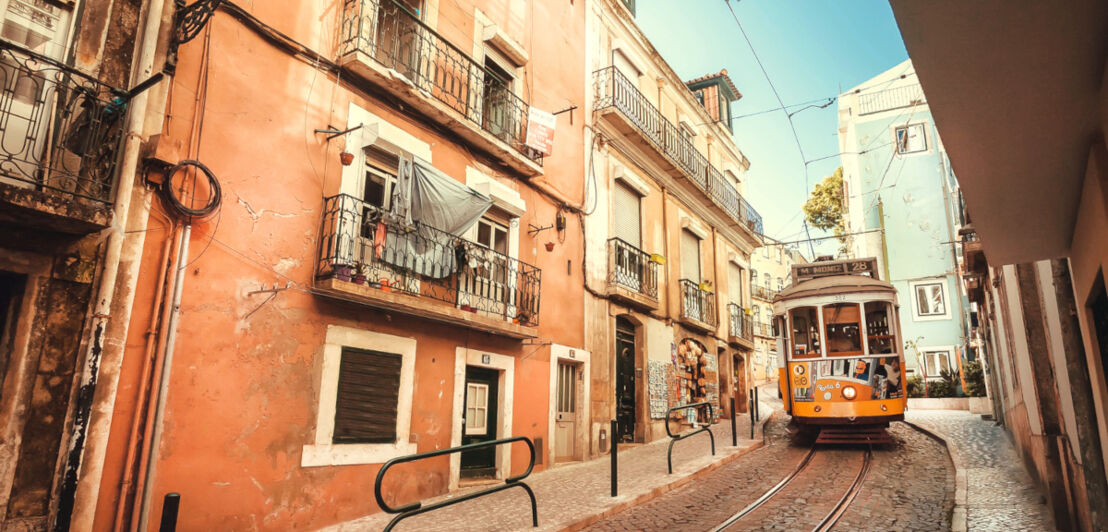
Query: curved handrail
x=417 y=507
x=678 y=437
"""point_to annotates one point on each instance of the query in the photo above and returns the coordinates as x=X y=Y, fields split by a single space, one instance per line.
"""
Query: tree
x=824 y=208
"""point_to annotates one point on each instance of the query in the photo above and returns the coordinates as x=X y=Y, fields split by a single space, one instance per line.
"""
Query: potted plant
x=363 y=268
x=343 y=272
x=384 y=284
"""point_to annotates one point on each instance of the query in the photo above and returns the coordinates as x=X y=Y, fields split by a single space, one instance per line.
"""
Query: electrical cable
x=175 y=203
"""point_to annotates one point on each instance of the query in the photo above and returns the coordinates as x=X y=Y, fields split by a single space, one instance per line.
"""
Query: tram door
x=625 y=380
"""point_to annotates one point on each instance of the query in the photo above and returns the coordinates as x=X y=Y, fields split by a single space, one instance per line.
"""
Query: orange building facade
x=390 y=268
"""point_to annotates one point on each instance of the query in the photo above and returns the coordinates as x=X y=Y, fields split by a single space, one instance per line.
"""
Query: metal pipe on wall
x=163 y=381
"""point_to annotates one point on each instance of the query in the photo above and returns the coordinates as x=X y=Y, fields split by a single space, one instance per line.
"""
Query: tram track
x=830 y=519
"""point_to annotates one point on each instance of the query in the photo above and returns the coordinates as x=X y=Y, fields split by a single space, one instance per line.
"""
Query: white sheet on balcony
x=433 y=199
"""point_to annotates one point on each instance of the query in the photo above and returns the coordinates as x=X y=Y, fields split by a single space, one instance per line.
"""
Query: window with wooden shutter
x=368 y=392
x=690 y=256
x=627 y=214
x=735 y=283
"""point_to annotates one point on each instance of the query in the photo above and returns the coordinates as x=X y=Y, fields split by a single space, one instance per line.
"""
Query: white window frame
x=479 y=410
x=945 y=291
x=925 y=353
x=902 y=145
x=324 y=452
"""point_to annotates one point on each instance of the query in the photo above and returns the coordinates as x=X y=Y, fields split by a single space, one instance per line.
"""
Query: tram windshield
x=806 y=336
x=879 y=331
x=844 y=331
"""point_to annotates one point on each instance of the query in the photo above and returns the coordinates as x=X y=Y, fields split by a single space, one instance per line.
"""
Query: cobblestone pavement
x=910 y=487
x=999 y=493
x=568 y=493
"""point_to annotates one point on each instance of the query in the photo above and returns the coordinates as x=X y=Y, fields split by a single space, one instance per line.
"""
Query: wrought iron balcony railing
x=698 y=304
x=739 y=324
x=762 y=328
x=762 y=292
x=631 y=268
x=393 y=36
x=60 y=129
x=358 y=244
x=614 y=90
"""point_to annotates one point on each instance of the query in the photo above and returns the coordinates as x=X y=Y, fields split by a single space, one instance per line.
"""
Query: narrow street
x=910 y=486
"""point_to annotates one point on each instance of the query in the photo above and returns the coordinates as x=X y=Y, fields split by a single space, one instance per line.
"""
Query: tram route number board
x=803 y=272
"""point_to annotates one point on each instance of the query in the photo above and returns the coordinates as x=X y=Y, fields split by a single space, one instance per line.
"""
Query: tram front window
x=843 y=322
x=879 y=328
x=806 y=337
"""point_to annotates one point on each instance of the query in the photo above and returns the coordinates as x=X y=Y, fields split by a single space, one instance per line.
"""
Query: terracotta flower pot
x=550 y=246
x=346 y=158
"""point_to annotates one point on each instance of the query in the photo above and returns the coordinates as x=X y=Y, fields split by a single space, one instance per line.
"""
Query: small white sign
x=540 y=131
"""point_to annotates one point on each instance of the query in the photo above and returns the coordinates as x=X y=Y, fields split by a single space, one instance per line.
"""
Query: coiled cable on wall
x=173 y=195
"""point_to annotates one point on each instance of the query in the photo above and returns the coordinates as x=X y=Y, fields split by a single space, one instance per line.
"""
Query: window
x=735 y=283
x=380 y=177
x=806 y=336
x=754 y=277
x=492 y=233
x=911 y=139
x=843 y=324
x=628 y=224
x=368 y=390
x=477 y=408
x=768 y=286
x=765 y=251
x=936 y=361
x=364 y=409
x=780 y=284
x=779 y=253
x=880 y=329
x=497 y=96
x=930 y=300
x=690 y=256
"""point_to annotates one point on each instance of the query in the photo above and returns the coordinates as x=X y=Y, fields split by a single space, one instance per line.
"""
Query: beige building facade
x=770 y=272
x=668 y=236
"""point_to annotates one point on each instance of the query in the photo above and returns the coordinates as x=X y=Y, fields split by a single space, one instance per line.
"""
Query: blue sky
x=811 y=49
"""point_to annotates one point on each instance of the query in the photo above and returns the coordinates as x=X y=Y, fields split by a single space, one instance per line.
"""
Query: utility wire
x=810 y=240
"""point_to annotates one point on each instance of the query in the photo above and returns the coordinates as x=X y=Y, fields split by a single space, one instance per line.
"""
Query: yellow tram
x=842 y=369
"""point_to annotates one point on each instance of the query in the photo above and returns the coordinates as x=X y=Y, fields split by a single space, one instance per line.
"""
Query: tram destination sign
x=803 y=272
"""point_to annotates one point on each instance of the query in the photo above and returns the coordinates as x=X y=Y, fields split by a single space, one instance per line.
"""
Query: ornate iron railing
x=738 y=323
x=762 y=328
x=762 y=292
x=396 y=38
x=60 y=129
x=359 y=244
x=613 y=89
x=631 y=268
x=698 y=304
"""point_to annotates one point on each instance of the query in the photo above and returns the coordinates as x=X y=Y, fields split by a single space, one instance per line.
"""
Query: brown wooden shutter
x=368 y=391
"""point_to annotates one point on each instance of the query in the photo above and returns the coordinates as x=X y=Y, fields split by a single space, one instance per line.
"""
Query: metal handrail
x=698 y=304
x=417 y=508
x=740 y=325
x=678 y=437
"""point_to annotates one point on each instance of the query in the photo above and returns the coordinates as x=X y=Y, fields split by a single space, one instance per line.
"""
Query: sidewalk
x=574 y=495
x=993 y=491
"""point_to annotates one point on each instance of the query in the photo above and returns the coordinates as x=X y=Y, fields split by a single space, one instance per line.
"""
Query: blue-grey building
x=900 y=193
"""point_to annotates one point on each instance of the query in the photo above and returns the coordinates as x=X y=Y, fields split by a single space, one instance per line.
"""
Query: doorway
x=479 y=421
x=565 y=431
x=739 y=365
x=625 y=380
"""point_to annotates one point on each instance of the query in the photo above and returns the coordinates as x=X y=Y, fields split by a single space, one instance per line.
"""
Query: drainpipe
x=665 y=249
x=163 y=383
x=100 y=345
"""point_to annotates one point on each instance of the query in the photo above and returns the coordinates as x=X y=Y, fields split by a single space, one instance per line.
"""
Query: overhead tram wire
x=780 y=102
x=810 y=240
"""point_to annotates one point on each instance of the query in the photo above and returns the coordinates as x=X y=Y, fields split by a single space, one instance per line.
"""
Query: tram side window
x=806 y=336
x=879 y=329
x=844 y=332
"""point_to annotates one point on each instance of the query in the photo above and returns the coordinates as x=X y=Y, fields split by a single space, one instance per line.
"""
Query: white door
x=565 y=430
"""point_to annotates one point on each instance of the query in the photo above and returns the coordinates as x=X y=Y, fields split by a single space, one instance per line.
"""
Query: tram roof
x=835 y=284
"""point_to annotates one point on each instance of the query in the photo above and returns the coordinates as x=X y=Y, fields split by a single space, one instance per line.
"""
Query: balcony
x=386 y=44
x=764 y=293
x=698 y=307
x=424 y=272
x=632 y=275
x=762 y=328
x=740 y=330
x=60 y=134
x=614 y=93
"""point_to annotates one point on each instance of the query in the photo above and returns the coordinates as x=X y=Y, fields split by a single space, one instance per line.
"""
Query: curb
x=958 y=521
x=681 y=482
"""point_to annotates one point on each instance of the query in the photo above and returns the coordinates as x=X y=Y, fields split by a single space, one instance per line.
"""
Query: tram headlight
x=849 y=393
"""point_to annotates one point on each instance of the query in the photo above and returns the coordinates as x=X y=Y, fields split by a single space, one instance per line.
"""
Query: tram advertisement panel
x=870 y=378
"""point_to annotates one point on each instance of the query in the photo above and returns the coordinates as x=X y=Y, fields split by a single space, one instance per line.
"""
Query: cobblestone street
x=910 y=487
x=999 y=492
